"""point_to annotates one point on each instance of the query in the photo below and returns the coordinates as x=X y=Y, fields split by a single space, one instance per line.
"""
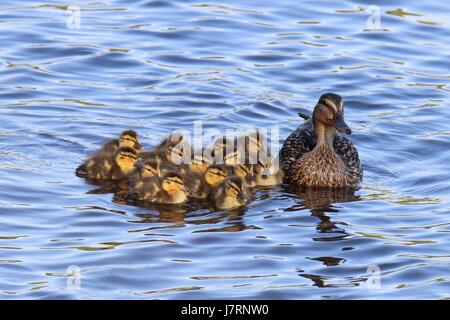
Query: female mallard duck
x=128 y=138
x=105 y=166
x=230 y=194
x=314 y=156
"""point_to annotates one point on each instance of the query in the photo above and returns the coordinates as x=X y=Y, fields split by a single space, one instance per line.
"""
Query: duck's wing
x=302 y=140
x=349 y=155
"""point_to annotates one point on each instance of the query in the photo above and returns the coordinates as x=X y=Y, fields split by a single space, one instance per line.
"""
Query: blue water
x=155 y=66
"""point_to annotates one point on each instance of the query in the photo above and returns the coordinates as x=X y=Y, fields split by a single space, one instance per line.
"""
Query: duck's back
x=303 y=140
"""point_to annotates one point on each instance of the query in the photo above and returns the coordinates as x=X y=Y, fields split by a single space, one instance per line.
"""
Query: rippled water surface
x=160 y=65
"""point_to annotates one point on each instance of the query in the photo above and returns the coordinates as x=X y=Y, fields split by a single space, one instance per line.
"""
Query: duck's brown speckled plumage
x=321 y=167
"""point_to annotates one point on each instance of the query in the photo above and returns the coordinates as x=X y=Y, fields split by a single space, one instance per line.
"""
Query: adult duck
x=315 y=156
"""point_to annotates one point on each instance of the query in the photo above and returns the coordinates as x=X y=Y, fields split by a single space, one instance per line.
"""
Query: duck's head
x=149 y=168
x=234 y=188
x=255 y=141
x=222 y=145
x=215 y=174
x=330 y=112
x=129 y=138
x=232 y=158
x=267 y=168
x=199 y=163
x=243 y=170
x=175 y=153
x=172 y=183
x=126 y=159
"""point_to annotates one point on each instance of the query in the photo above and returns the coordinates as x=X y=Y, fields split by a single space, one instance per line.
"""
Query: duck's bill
x=242 y=198
x=340 y=125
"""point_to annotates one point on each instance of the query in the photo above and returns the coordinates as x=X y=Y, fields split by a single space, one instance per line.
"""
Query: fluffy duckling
x=199 y=186
x=199 y=163
x=315 y=156
x=233 y=158
x=128 y=138
x=144 y=171
x=255 y=141
x=230 y=194
x=222 y=146
x=104 y=166
x=268 y=173
x=173 y=190
x=246 y=173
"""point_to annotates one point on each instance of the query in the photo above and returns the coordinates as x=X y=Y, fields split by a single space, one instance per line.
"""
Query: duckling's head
x=243 y=170
x=232 y=158
x=215 y=174
x=149 y=168
x=234 y=188
x=172 y=183
x=199 y=163
x=175 y=153
x=129 y=138
x=330 y=112
x=222 y=145
x=255 y=141
x=266 y=168
x=126 y=159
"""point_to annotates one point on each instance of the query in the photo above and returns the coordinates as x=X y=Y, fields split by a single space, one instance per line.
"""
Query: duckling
x=233 y=158
x=199 y=185
x=172 y=190
x=144 y=170
x=128 y=138
x=172 y=160
x=104 y=165
x=215 y=174
x=230 y=194
x=175 y=138
x=268 y=173
x=246 y=173
x=144 y=189
x=315 y=156
x=222 y=146
x=199 y=163
x=254 y=141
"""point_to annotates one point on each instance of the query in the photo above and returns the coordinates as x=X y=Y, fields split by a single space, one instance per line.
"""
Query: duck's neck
x=324 y=135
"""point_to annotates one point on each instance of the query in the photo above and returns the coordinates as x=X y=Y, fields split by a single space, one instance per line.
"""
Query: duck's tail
x=304 y=115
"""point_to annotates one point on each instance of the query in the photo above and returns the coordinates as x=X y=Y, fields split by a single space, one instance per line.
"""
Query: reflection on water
x=156 y=66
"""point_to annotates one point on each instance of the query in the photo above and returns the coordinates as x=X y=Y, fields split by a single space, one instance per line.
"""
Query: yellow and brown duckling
x=222 y=146
x=230 y=194
x=107 y=166
x=199 y=163
x=200 y=185
x=254 y=142
x=144 y=171
x=174 y=139
x=245 y=172
x=172 y=190
x=128 y=138
x=315 y=156
x=268 y=173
